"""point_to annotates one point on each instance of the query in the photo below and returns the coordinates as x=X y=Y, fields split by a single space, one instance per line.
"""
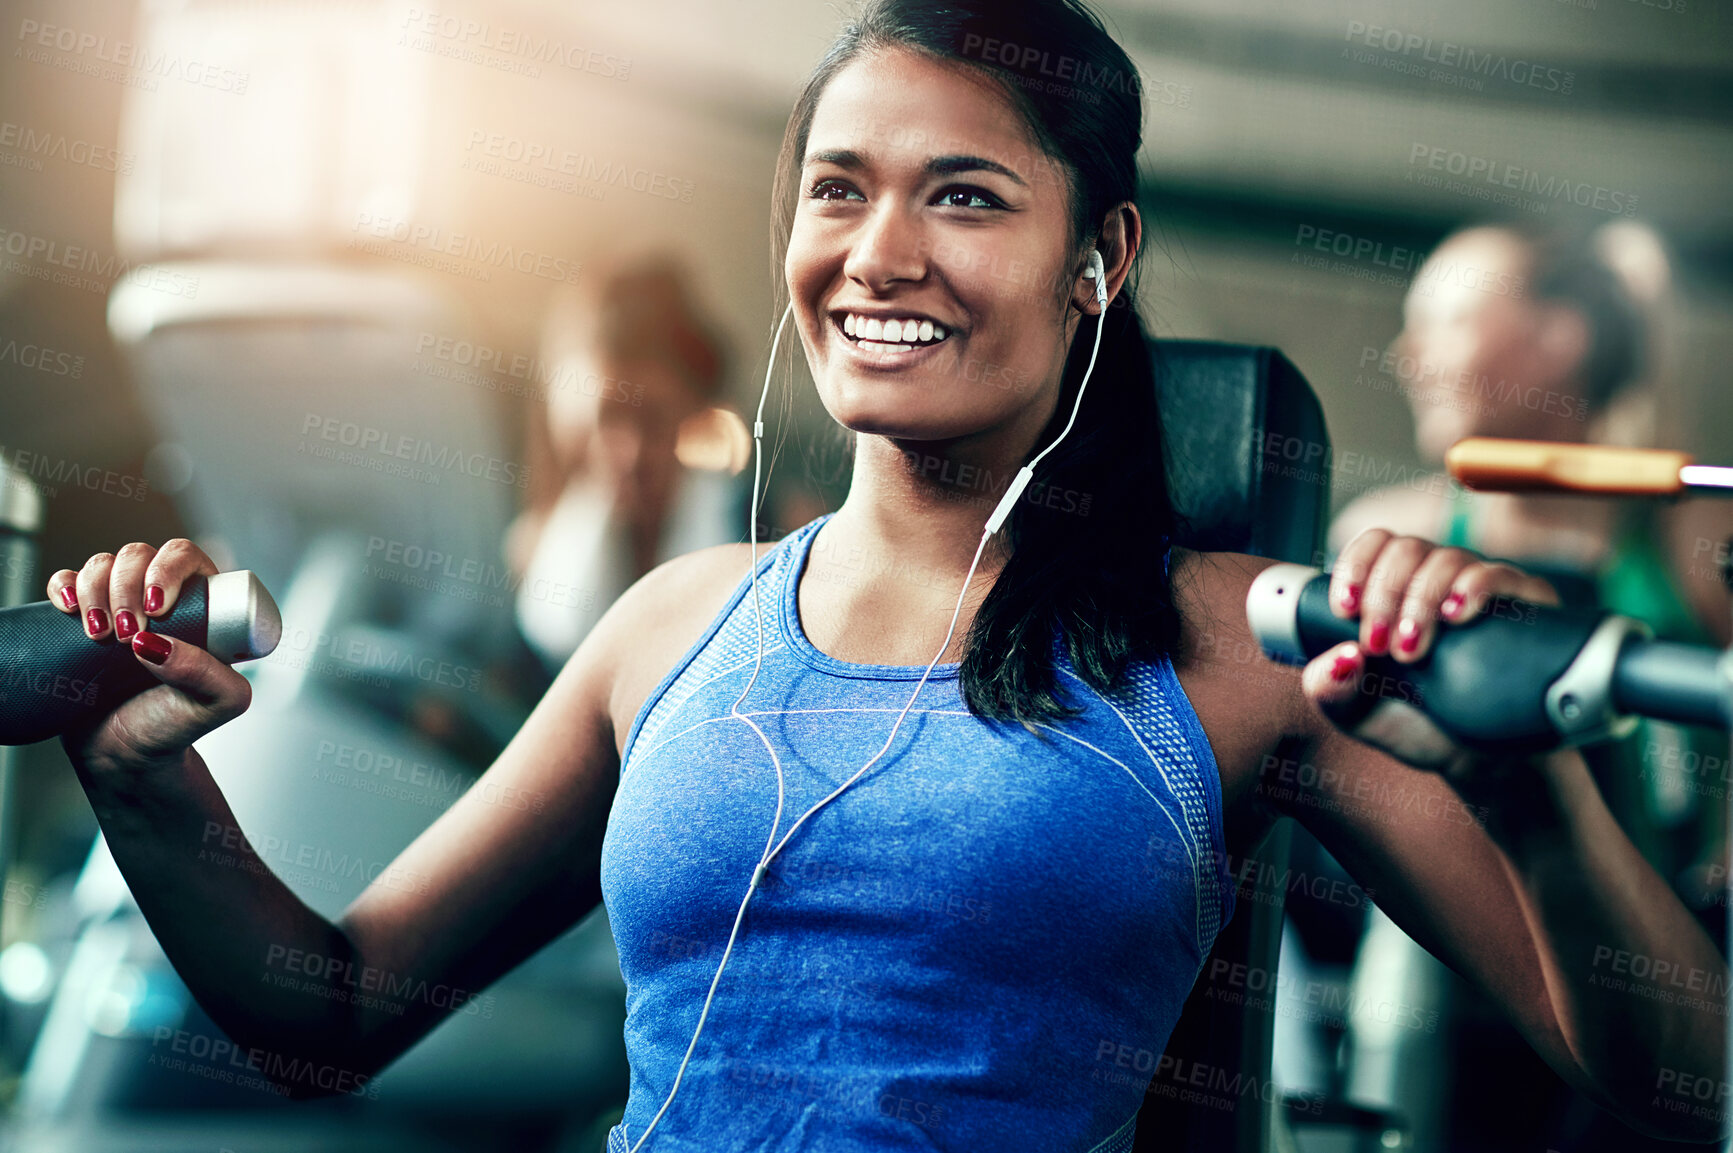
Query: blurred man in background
x=1553 y=335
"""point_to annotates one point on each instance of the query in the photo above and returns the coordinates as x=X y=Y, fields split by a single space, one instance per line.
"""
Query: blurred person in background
x=635 y=461
x=1518 y=332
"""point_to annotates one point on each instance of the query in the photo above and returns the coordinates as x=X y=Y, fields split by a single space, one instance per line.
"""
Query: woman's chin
x=890 y=410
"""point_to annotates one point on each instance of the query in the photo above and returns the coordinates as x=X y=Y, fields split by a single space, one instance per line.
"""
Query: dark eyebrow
x=951 y=165
x=938 y=165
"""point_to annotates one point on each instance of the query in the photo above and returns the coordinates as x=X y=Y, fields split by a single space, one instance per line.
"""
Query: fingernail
x=69 y=597
x=1351 y=597
x=1407 y=636
x=1343 y=668
x=1379 y=641
x=153 y=599
x=125 y=624
x=151 y=647
x=96 y=621
x=1452 y=604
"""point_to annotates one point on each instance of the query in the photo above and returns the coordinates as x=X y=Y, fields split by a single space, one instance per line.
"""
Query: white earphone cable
x=1095 y=272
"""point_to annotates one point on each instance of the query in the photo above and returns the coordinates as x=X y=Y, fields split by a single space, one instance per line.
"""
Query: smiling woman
x=929 y=173
x=985 y=941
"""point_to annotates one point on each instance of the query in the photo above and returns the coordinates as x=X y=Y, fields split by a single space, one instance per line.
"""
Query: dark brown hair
x=1086 y=563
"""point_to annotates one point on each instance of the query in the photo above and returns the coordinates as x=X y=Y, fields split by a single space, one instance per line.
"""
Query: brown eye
x=968 y=198
x=831 y=190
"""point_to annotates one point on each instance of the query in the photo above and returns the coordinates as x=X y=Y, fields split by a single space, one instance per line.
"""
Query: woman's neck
x=926 y=504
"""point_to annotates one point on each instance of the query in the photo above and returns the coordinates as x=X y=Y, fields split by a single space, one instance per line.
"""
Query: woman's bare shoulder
x=1246 y=703
x=661 y=616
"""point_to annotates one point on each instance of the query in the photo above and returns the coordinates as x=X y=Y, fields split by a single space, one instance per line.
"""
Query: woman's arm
x=505 y=870
x=1552 y=912
x=1513 y=872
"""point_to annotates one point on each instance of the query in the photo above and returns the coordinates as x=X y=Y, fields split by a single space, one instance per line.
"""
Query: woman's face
x=924 y=199
x=1472 y=355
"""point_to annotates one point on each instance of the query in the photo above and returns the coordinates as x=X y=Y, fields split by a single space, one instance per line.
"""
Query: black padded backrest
x=1247 y=449
x=1248 y=468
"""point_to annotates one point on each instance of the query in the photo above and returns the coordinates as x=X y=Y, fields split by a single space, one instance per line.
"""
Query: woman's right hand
x=116 y=596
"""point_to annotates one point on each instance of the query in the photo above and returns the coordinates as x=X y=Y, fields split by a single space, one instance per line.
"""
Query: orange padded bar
x=1484 y=462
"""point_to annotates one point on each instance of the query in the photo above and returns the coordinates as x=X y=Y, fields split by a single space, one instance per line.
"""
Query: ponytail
x=1087 y=541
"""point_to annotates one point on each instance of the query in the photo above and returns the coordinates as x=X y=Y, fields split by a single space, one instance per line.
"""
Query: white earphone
x=1096 y=271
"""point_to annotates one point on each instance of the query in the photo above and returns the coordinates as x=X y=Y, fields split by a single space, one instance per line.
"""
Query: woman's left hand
x=1402 y=588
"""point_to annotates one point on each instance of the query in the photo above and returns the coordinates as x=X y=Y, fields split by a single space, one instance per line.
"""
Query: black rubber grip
x=1484 y=683
x=53 y=676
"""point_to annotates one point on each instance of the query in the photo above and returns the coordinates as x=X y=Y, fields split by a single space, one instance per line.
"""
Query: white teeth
x=905 y=332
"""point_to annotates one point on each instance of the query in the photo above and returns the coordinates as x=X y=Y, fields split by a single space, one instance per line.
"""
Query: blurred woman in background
x=633 y=460
x=1516 y=332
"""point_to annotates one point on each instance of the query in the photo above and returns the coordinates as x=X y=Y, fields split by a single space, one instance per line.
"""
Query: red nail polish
x=1407 y=636
x=153 y=599
x=1453 y=604
x=1351 y=597
x=125 y=624
x=1379 y=641
x=96 y=622
x=69 y=597
x=1343 y=668
x=151 y=647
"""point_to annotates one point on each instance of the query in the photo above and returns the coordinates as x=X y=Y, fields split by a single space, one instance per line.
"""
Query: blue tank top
x=983 y=943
